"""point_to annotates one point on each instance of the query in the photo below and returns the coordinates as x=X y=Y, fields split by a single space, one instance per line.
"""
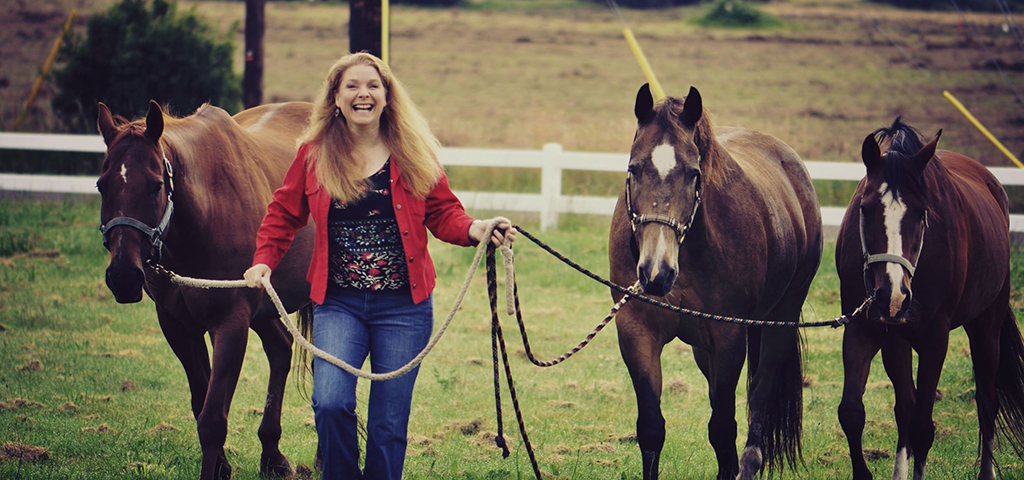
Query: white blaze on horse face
x=664 y=159
x=124 y=172
x=892 y=215
x=900 y=470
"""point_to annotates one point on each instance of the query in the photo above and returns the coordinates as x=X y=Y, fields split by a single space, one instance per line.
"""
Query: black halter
x=889 y=257
x=155 y=234
x=635 y=221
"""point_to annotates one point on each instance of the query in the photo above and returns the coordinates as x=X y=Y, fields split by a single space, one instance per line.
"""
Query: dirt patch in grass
x=23 y=452
x=68 y=407
x=128 y=386
x=101 y=428
x=465 y=427
x=32 y=366
x=872 y=454
x=164 y=427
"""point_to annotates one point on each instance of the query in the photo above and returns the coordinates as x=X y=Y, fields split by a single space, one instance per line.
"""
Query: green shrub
x=136 y=52
x=736 y=14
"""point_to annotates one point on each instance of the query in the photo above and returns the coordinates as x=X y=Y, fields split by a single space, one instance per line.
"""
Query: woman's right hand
x=254 y=275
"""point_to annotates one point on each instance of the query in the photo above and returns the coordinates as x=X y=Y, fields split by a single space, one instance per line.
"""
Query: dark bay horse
x=745 y=206
x=189 y=194
x=927 y=236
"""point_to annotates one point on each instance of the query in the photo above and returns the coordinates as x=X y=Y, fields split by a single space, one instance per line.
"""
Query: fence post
x=550 y=185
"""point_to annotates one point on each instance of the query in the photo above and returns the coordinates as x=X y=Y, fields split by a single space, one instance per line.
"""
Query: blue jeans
x=392 y=330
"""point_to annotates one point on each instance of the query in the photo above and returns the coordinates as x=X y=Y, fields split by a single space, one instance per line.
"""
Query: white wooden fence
x=551 y=160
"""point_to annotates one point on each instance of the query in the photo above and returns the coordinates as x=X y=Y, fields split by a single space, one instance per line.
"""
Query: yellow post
x=646 y=67
x=991 y=138
x=46 y=68
x=385 y=24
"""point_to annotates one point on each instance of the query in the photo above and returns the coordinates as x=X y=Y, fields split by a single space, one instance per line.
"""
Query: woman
x=367 y=172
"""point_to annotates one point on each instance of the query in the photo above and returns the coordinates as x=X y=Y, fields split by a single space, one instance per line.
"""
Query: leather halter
x=889 y=257
x=155 y=234
x=635 y=221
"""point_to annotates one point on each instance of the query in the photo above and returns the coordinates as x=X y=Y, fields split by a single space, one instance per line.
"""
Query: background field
x=517 y=73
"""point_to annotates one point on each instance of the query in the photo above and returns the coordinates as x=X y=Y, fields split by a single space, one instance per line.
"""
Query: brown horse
x=189 y=194
x=744 y=204
x=927 y=236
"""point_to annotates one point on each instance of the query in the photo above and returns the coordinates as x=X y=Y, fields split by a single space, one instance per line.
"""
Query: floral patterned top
x=365 y=248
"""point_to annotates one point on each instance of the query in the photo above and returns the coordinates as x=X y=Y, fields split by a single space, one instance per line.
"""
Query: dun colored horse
x=189 y=194
x=927 y=236
x=725 y=221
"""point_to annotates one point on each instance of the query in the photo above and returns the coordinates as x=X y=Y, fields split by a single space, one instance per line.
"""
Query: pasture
x=95 y=383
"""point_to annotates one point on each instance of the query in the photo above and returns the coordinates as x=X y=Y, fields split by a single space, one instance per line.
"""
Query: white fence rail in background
x=551 y=160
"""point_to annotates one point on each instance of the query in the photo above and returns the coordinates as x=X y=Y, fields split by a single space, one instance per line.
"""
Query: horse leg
x=896 y=356
x=931 y=353
x=722 y=369
x=190 y=348
x=775 y=402
x=642 y=355
x=229 y=342
x=277 y=343
x=859 y=347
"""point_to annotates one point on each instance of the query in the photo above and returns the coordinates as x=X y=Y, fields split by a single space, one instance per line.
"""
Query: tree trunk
x=252 y=80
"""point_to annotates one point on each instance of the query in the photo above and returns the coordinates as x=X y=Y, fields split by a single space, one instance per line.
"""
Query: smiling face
x=361 y=96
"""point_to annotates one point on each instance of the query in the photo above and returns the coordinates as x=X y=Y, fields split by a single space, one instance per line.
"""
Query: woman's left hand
x=502 y=233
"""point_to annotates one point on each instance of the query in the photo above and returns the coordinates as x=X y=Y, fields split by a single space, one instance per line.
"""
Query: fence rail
x=551 y=160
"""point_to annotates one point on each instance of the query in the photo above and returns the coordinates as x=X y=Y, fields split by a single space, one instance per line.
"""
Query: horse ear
x=105 y=124
x=644 y=107
x=925 y=155
x=870 y=153
x=693 y=108
x=154 y=122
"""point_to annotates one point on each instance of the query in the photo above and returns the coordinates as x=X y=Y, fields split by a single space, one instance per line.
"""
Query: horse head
x=135 y=184
x=664 y=184
x=893 y=213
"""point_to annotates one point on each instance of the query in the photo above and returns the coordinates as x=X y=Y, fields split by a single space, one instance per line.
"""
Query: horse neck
x=215 y=168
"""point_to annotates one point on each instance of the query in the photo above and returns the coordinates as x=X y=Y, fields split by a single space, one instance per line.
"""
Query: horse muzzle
x=892 y=308
x=125 y=282
x=657 y=282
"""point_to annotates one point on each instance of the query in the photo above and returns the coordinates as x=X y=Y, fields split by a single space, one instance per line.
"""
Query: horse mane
x=904 y=141
x=667 y=115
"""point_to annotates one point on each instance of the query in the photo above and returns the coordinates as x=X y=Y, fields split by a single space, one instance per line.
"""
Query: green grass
x=55 y=309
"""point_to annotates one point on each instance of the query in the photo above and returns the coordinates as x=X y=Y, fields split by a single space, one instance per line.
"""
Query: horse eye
x=633 y=169
x=99 y=188
x=158 y=186
x=693 y=174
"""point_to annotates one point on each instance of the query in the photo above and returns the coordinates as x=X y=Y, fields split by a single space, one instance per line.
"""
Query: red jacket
x=301 y=196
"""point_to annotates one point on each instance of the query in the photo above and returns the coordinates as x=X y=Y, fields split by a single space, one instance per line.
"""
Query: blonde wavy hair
x=403 y=129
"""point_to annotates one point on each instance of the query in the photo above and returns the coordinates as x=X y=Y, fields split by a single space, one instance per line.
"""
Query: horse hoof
x=278 y=468
x=750 y=463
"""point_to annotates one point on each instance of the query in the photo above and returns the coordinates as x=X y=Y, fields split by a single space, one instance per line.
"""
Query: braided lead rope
x=498 y=339
x=481 y=248
x=834 y=323
x=517 y=311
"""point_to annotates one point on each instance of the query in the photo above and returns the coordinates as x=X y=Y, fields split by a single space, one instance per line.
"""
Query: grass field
x=95 y=383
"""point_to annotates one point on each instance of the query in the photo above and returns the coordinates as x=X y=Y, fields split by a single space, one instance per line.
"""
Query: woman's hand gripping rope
x=263 y=276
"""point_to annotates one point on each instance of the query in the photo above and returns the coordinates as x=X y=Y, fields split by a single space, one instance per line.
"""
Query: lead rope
x=304 y=343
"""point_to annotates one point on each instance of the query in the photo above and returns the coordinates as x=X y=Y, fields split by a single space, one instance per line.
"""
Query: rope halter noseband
x=889 y=257
x=635 y=221
x=155 y=234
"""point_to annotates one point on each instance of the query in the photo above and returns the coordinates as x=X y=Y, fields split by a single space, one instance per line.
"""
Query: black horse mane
x=904 y=143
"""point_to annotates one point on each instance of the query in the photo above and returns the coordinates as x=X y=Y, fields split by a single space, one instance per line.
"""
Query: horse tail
x=304 y=320
x=782 y=420
x=1010 y=383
